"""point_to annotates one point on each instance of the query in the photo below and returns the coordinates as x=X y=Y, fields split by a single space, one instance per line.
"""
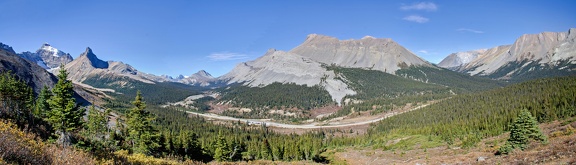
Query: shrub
x=524 y=128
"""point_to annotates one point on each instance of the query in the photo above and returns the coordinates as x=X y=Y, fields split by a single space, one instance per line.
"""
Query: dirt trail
x=304 y=126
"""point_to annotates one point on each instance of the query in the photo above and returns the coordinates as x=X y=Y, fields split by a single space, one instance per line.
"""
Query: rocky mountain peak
x=460 y=58
x=370 y=53
x=203 y=73
x=7 y=48
x=91 y=58
x=47 y=57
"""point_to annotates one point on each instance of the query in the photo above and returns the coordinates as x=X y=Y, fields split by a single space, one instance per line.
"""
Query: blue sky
x=181 y=37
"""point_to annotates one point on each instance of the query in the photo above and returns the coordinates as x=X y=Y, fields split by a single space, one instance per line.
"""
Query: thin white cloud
x=470 y=30
x=226 y=56
x=426 y=6
x=416 y=18
x=423 y=51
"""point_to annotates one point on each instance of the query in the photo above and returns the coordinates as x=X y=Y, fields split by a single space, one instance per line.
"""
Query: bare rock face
x=547 y=48
x=34 y=75
x=286 y=67
x=368 y=53
x=201 y=78
x=87 y=64
x=47 y=57
x=458 y=59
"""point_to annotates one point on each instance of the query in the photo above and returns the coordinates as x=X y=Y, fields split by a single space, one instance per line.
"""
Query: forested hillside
x=471 y=117
x=141 y=136
x=459 y=82
x=157 y=94
x=371 y=84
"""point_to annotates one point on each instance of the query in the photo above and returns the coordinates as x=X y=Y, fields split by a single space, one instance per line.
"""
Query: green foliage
x=16 y=99
x=42 y=107
x=277 y=95
x=524 y=128
x=141 y=133
x=64 y=115
x=372 y=84
x=97 y=122
x=459 y=82
x=221 y=152
x=380 y=105
x=157 y=93
x=243 y=142
x=485 y=114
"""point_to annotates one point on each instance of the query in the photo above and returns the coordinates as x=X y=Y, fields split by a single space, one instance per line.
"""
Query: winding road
x=304 y=126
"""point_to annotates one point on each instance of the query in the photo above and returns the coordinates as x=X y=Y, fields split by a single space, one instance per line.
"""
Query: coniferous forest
x=144 y=132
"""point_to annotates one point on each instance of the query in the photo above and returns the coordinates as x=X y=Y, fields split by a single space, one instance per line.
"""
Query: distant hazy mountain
x=368 y=53
x=201 y=78
x=458 y=59
x=531 y=56
x=34 y=75
x=47 y=57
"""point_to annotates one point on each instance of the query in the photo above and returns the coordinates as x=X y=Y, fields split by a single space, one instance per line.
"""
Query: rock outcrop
x=368 y=53
x=286 y=67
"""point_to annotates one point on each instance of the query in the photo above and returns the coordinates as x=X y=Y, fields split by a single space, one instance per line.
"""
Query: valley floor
x=340 y=122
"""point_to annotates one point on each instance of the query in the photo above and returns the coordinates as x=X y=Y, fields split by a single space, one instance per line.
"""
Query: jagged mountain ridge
x=47 y=57
x=381 y=54
x=31 y=73
x=87 y=65
x=530 y=54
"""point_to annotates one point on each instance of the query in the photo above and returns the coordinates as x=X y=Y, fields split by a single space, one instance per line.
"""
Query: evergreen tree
x=42 y=107
x=265 y=151
x=222 y=150
x=65 y=116
x=97 y=122
x=524 y=128
x=141 y=134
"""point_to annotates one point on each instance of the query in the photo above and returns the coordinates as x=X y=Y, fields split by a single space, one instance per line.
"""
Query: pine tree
x=142 y=136
x=97 y=122
x=42 y=107
x=524 y=128
x=222 y=151
x=65 y=116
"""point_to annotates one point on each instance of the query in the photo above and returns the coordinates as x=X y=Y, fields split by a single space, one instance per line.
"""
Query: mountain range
x=313 y=63
x=530 y=56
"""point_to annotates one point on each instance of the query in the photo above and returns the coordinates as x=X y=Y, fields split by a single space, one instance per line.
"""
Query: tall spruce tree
x=524 y=128
x=222 y=150
x=97 y=122
x=142 y=136
x=42 y=107
x=65 y=116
